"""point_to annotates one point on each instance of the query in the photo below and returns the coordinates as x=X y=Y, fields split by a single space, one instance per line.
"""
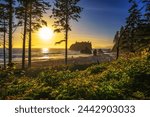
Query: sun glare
x=45 y=50
x=46 y=33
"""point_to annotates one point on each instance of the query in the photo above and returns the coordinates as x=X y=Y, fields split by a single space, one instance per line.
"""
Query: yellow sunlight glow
x=46 y=33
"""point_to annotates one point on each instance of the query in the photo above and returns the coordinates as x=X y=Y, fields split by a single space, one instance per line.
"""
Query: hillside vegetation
x=126 y=78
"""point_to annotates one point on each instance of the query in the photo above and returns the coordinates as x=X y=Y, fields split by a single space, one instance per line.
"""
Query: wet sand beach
x=78 y=60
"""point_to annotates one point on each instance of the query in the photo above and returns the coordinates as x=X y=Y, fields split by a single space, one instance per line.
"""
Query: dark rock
x=86 y=51
x=100 y=51
x=94 y=52
x=83 y=47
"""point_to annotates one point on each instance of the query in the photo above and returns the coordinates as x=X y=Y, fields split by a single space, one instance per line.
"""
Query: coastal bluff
x=83 y=47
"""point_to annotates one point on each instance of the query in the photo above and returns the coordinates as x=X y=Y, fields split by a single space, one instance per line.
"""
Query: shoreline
x=71 y=61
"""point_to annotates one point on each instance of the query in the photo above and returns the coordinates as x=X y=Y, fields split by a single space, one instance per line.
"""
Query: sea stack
x=83 y=47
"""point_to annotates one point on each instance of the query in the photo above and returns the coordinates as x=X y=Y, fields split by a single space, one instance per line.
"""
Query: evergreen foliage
x=4 y=27
x=30 y=12
x=134 y=36
x=63 y=12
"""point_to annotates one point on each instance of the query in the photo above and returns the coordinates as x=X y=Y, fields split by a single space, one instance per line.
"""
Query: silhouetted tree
x=10 y=7
x=31 y=13
x=145 y=31
x=22 y=14
x=36 y=10
x=147 y=12
x=3 y=28
x=117 y=44
x=121 y=41
x=136 y=33
x=141 y=35
x=133 y=22
x=63 y=12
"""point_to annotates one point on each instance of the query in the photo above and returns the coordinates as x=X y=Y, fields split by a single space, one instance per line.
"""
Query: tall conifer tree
x=22 y=14
x=133 y=22
x=3 y=28
x=36 y=10
x=10 y=7
x=31 y=13
x=63 y=12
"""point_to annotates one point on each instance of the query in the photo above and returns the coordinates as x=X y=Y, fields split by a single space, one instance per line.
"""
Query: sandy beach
x=79 y=60
x=89 y=59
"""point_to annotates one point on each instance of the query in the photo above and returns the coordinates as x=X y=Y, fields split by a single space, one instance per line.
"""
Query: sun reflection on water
x=45 y=50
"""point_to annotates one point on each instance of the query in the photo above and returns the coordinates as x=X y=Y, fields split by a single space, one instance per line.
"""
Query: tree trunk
x=10 y=33
x=118 y=51
x=30 y=36
x=132 y=42
x=4 y=45
x=66 y=47
x=118 y=48
x=66 y=35
x=24 y=38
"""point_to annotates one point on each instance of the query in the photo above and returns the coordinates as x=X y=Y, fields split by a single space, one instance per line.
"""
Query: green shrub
x=126 y=78
x=97 y=69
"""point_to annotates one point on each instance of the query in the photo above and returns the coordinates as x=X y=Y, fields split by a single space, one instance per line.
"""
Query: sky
x=100 y=19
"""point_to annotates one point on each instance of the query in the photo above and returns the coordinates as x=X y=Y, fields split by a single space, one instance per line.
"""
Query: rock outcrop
x=83 y=47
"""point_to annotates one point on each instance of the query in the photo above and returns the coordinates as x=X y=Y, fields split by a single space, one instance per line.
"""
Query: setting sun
x=46 y=33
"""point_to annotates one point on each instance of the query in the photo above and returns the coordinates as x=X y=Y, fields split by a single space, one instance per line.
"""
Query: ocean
x=41 y=54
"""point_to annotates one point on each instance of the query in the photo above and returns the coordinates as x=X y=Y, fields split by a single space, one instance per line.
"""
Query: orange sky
x=37 y=42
